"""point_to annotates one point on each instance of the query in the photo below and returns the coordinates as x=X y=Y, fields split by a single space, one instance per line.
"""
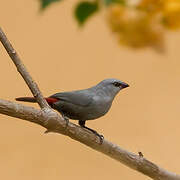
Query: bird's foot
x=101 y=137
x=67 y=120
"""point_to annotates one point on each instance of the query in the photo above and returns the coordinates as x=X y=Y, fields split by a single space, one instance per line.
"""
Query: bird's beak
x=124 y=85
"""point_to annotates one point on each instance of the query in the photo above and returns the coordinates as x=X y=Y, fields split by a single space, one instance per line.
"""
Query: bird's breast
x=101 y=104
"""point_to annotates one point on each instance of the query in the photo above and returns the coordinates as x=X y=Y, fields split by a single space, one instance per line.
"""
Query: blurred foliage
x=84 y=10
x=135 y=23
x=108 y=2
x=135 y=28
x=46 y=3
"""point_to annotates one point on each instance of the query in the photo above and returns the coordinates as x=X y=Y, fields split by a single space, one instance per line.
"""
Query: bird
x=86 y=104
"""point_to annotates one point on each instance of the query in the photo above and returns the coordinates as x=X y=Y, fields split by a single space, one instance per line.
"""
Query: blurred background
x=62 y=57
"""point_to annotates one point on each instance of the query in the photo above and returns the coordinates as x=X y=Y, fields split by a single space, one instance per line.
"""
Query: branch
x=53 y=122
x=22 y=70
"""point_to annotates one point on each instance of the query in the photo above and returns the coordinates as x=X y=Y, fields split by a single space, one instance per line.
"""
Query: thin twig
x=22 y=70
x=54 y=123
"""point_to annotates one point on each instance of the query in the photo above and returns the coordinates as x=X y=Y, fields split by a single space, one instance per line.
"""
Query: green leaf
x=108 y=2
x=46 y=3
x=84 y=10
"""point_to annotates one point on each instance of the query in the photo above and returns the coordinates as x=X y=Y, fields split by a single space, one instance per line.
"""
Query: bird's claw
x=101 y=137
x=67 y=120
x=82 y=124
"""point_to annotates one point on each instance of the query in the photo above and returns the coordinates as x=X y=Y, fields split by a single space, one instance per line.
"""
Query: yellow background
x=62 y=57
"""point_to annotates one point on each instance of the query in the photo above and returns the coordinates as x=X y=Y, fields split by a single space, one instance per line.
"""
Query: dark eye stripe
x=117 y=84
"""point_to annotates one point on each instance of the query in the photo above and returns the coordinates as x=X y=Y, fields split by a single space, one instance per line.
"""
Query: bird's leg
x=82 y=124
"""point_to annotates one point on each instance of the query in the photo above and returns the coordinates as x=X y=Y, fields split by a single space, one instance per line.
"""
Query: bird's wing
x=81 y=98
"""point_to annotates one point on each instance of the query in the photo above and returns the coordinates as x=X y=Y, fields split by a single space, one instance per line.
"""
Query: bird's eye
x=117 y=84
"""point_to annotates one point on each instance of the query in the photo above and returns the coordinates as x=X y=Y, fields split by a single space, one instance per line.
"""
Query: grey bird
x=86 y=104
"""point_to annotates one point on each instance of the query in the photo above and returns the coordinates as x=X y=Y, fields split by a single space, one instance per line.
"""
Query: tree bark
x=22 y=70
x=53 y=122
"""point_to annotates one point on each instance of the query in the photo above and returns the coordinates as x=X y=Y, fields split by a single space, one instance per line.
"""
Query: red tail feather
x=50 y=101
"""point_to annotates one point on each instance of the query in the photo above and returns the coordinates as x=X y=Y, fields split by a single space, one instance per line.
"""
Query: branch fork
x=53 y=122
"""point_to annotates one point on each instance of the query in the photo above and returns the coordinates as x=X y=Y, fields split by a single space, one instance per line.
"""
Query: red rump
x=50 y=101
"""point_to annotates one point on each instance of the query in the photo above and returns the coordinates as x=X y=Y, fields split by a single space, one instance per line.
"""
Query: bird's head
x=112 y=86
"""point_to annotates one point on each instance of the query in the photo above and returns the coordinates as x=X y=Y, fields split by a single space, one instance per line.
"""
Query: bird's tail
x=26 y=99
x=49 y=100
